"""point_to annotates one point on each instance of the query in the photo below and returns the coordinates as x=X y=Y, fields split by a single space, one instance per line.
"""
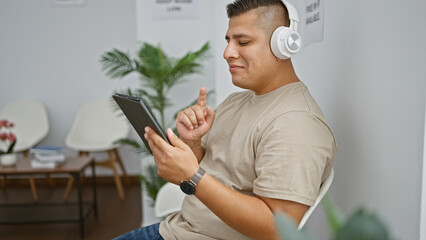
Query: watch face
x=187 y=188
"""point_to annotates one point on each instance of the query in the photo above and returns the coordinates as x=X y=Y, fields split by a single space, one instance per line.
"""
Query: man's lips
x=234 y=67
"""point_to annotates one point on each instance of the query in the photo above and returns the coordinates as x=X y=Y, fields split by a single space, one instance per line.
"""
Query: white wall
x=52 y=54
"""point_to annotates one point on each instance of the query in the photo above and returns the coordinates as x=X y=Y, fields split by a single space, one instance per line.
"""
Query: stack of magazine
x=47 y=156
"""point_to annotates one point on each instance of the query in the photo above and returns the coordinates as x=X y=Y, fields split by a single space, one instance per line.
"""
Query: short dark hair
x=242 y=6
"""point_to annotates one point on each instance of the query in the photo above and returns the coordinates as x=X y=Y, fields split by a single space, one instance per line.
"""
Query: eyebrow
x=240 y=35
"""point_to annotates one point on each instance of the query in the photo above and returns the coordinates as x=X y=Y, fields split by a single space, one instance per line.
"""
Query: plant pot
x=8 y=159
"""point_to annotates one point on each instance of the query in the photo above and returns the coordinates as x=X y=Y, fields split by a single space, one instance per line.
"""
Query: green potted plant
x=158 y=74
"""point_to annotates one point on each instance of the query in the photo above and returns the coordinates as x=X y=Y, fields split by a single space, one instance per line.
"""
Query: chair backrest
x=31 y=122
x=323 y=190
x=169 y=200
x=97 y=126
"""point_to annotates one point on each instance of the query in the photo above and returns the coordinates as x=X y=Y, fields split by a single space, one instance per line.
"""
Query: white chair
x=323 y=190
x=169 y=200
x=31 y=127
x=31 y=123
x=95 y=129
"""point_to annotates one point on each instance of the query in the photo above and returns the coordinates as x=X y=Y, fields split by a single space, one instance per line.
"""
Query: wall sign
x=174 y=9
x=311 y=17
x=69 y=2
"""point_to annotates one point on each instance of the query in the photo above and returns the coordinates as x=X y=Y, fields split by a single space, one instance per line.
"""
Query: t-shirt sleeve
x=292 y=154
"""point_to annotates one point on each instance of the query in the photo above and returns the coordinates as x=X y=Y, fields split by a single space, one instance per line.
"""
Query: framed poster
x=174 y=9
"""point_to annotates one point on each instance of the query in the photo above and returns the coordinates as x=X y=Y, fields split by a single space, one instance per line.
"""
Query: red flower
x=3 y=123
x=12 y=137
x=3 y=136
x=7 y=136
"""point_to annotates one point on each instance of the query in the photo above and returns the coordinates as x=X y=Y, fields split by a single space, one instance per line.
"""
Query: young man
x=266 y=149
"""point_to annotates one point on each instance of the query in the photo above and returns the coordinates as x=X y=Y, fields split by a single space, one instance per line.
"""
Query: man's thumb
x=174 y=140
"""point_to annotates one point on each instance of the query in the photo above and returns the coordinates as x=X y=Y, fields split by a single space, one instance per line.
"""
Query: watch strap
x=197 y=177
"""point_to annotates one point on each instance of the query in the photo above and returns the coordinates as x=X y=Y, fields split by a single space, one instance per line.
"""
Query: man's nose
x=230 y=52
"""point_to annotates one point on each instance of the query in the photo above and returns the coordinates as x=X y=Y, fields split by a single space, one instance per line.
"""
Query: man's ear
x=282 y=60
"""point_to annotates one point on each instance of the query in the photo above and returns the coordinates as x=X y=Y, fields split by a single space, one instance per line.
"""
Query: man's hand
x=195 y=121
x=176 y=162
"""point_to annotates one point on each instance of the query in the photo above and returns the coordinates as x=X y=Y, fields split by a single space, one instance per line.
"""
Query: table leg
x=95 y=199
x=68 y=188
x=3 y=181
x=80 y=202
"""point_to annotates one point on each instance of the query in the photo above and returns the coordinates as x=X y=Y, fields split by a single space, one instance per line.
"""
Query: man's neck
x=284 y=75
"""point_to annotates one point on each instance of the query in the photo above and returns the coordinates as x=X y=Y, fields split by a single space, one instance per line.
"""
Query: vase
x=8 y=159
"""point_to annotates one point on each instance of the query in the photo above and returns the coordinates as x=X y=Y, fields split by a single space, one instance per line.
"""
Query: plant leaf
x=334 y=216
x=188 y=64
x=10 y=149
x=117 y=64
x=139 y=148
x=287 y=229
x=152 y=181
x=363 y=225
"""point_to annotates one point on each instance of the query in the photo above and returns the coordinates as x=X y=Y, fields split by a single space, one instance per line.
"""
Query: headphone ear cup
x=285 y=42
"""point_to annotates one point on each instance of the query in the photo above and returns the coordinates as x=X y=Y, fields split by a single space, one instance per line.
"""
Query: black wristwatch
x=188 y=187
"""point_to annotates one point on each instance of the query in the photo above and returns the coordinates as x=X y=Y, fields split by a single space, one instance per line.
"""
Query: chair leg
x=116 y=176
x=68 y=188
x=123 y=170
x=26 y=153
x=33 y=187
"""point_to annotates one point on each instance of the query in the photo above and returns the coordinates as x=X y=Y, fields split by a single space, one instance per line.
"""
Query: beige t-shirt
x=276 y=145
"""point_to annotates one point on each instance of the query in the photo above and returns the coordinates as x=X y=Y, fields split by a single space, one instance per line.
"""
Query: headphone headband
x=292 y=15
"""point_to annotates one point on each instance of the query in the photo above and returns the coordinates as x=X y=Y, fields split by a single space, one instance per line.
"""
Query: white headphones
x=286 y=41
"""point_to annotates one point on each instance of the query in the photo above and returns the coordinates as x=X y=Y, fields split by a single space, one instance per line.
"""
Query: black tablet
x=139 y=115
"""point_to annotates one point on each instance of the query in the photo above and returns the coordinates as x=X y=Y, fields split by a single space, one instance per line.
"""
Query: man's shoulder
x=235 y=99
x=298 y=98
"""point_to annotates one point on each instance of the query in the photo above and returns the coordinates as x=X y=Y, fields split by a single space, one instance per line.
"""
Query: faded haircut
x=271 y=13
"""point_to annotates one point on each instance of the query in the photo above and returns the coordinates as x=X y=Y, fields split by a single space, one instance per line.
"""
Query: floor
x=115 y=217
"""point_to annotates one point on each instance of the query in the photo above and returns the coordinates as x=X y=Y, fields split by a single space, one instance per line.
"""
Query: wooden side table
x=73 y=166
